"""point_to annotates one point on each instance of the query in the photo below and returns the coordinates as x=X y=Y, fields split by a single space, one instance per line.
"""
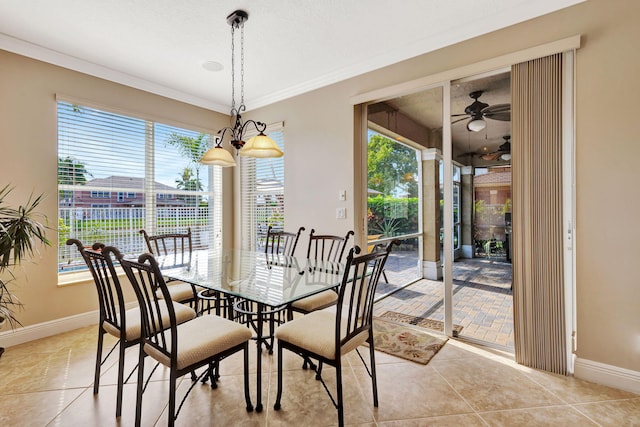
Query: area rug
x=411 y=343
x=423 y=322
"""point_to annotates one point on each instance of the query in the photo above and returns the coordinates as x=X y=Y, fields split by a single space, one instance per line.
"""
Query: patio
x=482 y=298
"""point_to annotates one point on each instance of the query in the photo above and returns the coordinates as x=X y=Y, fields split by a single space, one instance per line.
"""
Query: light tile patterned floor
x=48 y=382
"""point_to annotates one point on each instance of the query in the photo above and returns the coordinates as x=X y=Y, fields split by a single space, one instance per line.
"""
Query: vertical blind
x=262 y=194
x=119 y=174
x=538 y=265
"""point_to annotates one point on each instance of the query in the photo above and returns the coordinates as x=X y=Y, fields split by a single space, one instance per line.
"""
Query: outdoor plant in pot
x=20 y=233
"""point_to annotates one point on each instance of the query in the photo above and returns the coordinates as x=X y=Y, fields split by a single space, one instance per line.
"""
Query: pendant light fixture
x=258 y=146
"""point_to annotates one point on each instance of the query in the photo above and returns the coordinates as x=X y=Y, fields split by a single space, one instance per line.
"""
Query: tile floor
x=48 y=382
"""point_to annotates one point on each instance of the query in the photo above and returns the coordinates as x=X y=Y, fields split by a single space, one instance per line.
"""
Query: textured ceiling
x=292 y=46
x=425 y=109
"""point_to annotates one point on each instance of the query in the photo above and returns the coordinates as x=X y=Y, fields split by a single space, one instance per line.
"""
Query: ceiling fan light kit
x=476 y=125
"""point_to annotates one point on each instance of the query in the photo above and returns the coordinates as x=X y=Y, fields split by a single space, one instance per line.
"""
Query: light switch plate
x=342 y=195
x=341 y=213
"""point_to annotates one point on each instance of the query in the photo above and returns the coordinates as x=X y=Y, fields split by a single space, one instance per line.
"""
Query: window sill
x=75 y=278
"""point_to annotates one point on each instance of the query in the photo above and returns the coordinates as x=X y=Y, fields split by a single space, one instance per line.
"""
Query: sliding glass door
x=394 y=206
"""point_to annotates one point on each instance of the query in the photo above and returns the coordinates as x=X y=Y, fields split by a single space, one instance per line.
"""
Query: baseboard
x=612 y=376
x=41 y=330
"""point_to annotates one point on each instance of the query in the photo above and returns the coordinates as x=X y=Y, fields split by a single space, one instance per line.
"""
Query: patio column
x=431 y=265
x=467 y=212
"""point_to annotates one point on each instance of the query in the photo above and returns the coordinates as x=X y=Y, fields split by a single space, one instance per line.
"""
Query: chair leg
x=140 y=386
x=247 y=395
x=172 y=397
x=279 y=394
x=272 y=324
x=120 y=377
x=96 y=379
x=339 y=393
x=374 y=380
x=319 y=370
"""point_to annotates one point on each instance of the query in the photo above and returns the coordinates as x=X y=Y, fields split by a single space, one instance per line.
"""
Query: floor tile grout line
x=458 y=393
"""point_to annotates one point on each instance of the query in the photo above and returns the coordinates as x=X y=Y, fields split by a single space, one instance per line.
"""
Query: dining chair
x=322 y=247
x=181 y=247
x=115 y=319
x=182 y=347
x=282 y=242
x=328 y=335
x=276 y=243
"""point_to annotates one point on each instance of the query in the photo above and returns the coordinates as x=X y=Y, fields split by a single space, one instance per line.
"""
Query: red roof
x=493 y=178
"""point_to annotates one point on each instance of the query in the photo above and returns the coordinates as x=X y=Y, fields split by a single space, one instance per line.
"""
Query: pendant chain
x=233 y=69
x=242 y=64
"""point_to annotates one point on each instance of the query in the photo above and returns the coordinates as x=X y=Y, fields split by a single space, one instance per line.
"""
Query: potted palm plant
x=20 y=232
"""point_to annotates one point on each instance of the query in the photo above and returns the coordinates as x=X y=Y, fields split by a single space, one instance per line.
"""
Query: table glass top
x=274 y=280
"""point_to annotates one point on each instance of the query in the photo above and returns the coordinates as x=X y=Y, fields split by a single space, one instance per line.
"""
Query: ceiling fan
x=502 y=153
x=478 y=111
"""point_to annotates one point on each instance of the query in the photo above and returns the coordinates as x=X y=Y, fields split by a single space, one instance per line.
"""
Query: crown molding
x=53 y=57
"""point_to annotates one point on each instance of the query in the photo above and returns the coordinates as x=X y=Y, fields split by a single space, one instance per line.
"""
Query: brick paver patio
x=482 y=297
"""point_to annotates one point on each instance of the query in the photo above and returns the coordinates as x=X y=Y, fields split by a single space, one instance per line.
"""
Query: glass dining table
x=270 y=281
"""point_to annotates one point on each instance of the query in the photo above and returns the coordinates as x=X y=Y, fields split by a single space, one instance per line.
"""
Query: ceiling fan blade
x=460 y=115
x=497 y=108
x=468 y=153
x=460 y=120
x=500 y=112
x=490 y=156
x=504 y=117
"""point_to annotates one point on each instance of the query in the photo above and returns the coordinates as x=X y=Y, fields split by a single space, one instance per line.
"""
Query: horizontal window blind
x=119 y=174
x=262 y=194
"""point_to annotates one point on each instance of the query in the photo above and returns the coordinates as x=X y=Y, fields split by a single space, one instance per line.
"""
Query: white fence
x=120 y=227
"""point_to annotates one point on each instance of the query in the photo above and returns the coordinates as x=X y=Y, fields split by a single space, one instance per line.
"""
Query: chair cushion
x=316 y=332
x=180 y=291
x=316 y=302
x=134 y=325
x=202 y=338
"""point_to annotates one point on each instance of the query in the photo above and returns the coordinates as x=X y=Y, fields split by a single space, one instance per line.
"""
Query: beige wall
x=319 y=159
x=28 y=160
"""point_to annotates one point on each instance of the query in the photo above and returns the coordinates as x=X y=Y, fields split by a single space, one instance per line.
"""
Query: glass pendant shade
x=476 y=125
x=261 y=146
x=506 y=156
x=218 y=156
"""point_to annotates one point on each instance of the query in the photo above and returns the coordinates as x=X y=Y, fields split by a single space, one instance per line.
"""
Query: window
x=152 y=168
x=100 y=195
x=262 y=194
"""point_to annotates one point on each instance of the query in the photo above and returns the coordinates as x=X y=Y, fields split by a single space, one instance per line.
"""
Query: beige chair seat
x=134 y=321
x=316 y=302
x=200 y=338
x=181 y=291
x=316 y=332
